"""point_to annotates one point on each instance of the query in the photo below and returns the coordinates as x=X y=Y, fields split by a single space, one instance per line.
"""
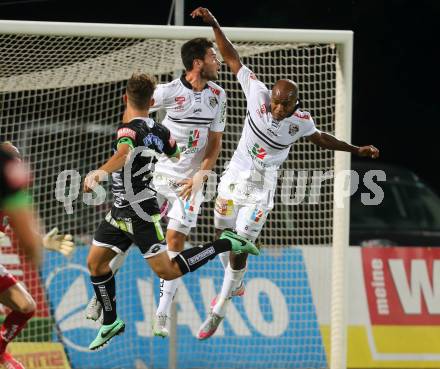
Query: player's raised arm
x=226 y=48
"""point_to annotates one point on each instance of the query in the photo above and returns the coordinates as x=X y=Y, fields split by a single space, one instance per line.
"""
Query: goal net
x=61 y=92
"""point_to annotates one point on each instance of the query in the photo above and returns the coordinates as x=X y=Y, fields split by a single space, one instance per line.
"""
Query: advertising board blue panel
x=274 y=325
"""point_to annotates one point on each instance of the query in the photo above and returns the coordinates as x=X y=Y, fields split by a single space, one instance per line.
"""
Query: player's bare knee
x=166 y=274
x=161 y=274
x=218 y=232
x=160 y=268
x=26 y=304
x=175 y=240
x=96 y=267
x=91 y=264
x=29 y=306
x=174 y=244
x=237 y=261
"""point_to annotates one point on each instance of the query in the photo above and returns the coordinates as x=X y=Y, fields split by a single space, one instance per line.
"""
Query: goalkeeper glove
x=4 y=240
x=59 y=242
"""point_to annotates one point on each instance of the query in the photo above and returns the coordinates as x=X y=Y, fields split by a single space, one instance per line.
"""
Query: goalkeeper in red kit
x=16 y=209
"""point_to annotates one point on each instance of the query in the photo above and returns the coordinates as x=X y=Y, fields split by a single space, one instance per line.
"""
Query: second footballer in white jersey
x=195 y=114
x=193 y=117
x=272 y=124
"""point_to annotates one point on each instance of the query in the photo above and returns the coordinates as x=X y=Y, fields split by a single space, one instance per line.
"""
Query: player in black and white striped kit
x=195 y=115
x=134 y=217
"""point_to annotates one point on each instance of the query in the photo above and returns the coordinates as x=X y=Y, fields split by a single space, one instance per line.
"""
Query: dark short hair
x=194 y=49
x=140 y=89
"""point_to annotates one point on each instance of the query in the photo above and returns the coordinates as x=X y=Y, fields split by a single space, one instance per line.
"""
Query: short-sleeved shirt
x=140 y=133
x=190 y=116
x=265 y=142
x=14 y=181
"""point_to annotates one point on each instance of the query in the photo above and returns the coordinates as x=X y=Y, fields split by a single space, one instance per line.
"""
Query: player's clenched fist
x=369 y=151
x=92 y=179
x=205 y=14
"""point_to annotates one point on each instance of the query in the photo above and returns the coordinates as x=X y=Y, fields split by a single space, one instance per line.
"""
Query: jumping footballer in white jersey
x=195 y=115
x=246 y=190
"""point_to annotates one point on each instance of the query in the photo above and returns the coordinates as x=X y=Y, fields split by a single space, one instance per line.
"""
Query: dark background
x=395 y=98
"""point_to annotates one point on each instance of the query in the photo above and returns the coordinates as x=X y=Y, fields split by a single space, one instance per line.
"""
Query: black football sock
x=105 y=290
x=191 y=259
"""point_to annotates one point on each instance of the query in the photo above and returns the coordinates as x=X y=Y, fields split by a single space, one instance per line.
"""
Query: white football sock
x=117 y=261
x=231 y=281
x=224 y=258
x=168 y=289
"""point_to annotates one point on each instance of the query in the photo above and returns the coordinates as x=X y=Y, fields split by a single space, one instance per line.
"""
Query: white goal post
x=21 y=71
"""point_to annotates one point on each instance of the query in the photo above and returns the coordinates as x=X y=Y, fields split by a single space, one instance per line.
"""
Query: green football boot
x=240 y=244
x=106 y=333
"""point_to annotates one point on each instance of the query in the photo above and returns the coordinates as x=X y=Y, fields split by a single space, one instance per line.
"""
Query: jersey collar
x=187 y=84
x=148 y=120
